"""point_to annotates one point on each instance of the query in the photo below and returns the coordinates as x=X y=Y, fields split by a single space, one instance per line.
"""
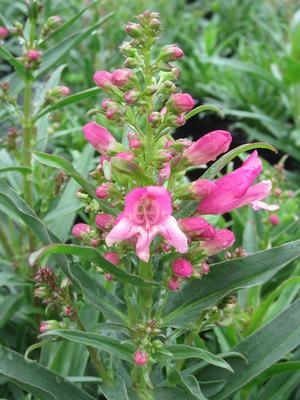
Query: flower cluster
x=143 y=178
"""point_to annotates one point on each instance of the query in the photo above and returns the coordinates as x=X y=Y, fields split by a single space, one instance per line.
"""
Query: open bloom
x=99 y=137
x=148 y=213
x=234 y=190
x=208 y=148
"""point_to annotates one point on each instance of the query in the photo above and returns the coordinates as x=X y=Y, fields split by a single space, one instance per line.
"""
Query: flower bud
x=154 y=119
x=140 y=358
x=64 y=90
x=201 y=188
x=182 y=268
x=205 y=268
x=104 y=191
x=113 y=113
x=154 y=24
x=278 y=192
x=53 y=22
x=290 y=193
x=33 y=55
x=127 y=49
x=108 y=103
x=150 y=90
x=171 y=53
x=131 y=62
x=121 y=77
x=133 y=29
x=49 y=325
x=181 y=102
x=112 y=257
x=41 y=292
x=99 y=137
x=125 y=156
x=274 y=219
x=108 y=277
x=4 y=32
x=222 y=239
x=133 y=140
x=173 y=284
x=104 y=221
x=81 y=231
x=164 y=173
x=131 y=96
x=102 y=78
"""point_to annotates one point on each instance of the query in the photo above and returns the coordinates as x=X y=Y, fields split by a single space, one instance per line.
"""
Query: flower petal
x=123 y=230
x=170 y=230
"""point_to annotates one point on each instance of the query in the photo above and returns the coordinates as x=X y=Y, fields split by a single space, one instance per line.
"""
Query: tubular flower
x=222 y=239
x=148 y=213
x=208 y=148
x=234 y=190
x=99 y=137
x=102 y=78
x=196 y=228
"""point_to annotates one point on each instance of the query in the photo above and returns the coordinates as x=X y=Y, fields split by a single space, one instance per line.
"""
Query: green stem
x=27 y=149
x=145 y=293
x=6 y=244
x=95 y=358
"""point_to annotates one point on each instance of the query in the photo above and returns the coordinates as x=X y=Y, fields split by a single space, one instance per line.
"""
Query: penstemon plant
x=150 y=294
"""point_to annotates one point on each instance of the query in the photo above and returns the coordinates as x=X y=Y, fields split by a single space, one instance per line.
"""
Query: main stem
x=95 y=357
x=27 y=149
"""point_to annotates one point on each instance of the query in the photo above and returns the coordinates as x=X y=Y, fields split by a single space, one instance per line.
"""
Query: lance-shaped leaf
x=65 y=165
x=36 y=379
x=19 y=67
x=95 y=293
x=205 y=107
x=93 y=255
x=113 y=346
x=262 y=349
x=184 y=307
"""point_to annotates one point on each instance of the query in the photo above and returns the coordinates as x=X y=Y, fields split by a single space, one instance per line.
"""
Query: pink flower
x=102 y=78
x=208 y=148
x=171 y=53
x=182 y=102
x=222 y=239
x=148 y=213
x=133 y=140
x=140 y=358
x=81 y=231
x=99 y=137
x=164 y=173
x=112 y=257
x=125 y=156
x=205 y=268
x=33 y=55
x=274 y=219
x=108 y=277
x=104 y=191
x=234 y=190
x=196 y=228
x=3 y=32
x=121 y=77
x=107 y=103
x=104 y=221
x=182 y=268
x=173 y=284
x=201 y=188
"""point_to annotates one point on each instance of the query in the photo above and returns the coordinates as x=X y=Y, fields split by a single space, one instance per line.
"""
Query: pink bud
x=104 y=221
x=222 y=239
x=121 y=77
x=108 y=277
x=197 y=228
x=182 y=102
x=125 y=156
x=3 y=32
x=290 y=193
x=102 y=78
x=274 y=219
x=112 y=257
x=113 y=113
x=133 y=29
x=202 y=188
x=133 y=140
x=107 y=103
x=99 y=137
x=154 y=119
x=33 y=55
x=94 y=242
x=64 y=90
x=182 y=268
x=57 y=19
x=131 y=96
x=278 y=192
x=164 y=173
x=205 y=268
x=180 y=120
x=49 y=325
x=104 y=191
x=140 y=358
x=173 y=284
x=208 y=148
x=68 y=311
x=171 y=53
x=80 y=231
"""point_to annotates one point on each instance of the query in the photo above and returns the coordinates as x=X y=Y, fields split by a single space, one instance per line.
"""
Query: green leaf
x=182 y=351
x=94 y=292
x=131 y=169
x=168 y=393
x=116 y=392
x=184 y=307
x=36 y=379
x=93 y=255
x=73 y=98
x=262 y=349
x=214 y=169
x=190 y=384
x=19 y=67
x=8 y=307
x=22 y=170
x=206 y=107
x=123 y=351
